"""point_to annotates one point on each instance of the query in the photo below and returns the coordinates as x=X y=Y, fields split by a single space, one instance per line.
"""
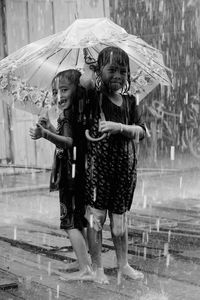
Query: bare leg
x=79 y=246
x=120 y=239
x=75 y=264
x=95 y=247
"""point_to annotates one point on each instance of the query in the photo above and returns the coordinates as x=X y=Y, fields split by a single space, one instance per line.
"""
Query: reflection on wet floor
x=164 y=238
x=21 y=177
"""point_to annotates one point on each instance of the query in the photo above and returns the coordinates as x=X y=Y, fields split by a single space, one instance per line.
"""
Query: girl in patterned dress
x=68 y=166
x=111 y=162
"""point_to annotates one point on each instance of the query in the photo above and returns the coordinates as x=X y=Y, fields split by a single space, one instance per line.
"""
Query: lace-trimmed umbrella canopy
x=28 y=72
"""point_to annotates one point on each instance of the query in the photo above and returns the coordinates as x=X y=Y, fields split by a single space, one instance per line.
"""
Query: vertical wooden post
x=4 y=53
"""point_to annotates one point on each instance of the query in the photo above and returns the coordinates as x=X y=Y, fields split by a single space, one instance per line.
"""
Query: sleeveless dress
x=111 y=163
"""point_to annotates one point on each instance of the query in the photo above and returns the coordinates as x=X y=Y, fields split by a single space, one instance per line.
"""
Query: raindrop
x=137 y=99
x=44 y=238
x=145 y=253
x=145 y=202
x=169 y=235
x=49 y=268
x=39 y=261
x=95 y=194
x=74 y=153
x=119 y=278
x=180 y=182
x=57 y=291
x=181 y=117
x=158 y=225
x=172 y=153
x=73 y=170
x=91 y=220
x=167 y=259
x=33 y=174
x=50 y=294
x=142 y=188
x=166 y=249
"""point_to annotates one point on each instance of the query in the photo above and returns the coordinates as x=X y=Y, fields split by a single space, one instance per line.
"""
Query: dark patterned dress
x=111 y=163
x=71 y=193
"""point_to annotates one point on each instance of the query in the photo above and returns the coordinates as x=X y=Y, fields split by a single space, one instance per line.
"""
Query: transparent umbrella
x=28 y=72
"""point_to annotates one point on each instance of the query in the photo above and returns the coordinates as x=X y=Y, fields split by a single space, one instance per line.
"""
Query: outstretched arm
x=61 y=141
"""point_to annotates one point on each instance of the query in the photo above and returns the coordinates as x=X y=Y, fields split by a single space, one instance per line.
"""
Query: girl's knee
x=117 y=231
x=118 y=224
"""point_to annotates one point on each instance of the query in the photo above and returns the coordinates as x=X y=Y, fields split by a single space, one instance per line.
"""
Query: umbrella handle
x=91 y=139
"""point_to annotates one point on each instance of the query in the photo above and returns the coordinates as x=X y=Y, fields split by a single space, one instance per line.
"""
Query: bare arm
x=129 y=131
x=61 y=141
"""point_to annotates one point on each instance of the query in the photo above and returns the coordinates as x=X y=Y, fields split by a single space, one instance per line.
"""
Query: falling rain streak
x=163 y=221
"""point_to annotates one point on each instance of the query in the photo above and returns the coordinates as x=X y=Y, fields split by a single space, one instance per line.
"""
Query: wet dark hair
x=72 y=75
x=114 y=55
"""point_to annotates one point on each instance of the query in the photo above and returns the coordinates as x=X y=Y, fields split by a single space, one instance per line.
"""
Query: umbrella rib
x=77 y=57
x=91 y=53
x=45 y=60
x=64 y=56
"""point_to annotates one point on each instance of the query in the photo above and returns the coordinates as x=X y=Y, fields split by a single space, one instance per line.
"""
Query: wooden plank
x=40 y=19
x=7 y=281
x=2 y=29
x=65 y=12
x=17 y=27
x=43 y=272
x=92 y=9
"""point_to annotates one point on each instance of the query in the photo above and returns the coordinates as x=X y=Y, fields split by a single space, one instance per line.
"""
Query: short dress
x=71 y=193
x=111 y=163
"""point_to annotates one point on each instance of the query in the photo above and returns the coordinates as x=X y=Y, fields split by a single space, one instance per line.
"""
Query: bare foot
x=84 y=275
x=100 y=276
x=127 y=270
x=70 y=266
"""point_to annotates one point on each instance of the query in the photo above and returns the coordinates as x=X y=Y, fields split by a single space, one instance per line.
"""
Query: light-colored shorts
x=96 y=218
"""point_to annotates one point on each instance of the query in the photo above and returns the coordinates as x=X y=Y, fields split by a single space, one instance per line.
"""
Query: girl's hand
x=44 y=121
x=37 y=132
x=109 y=127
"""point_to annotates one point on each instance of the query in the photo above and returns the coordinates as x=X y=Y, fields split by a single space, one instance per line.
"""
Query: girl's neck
x=115 y=98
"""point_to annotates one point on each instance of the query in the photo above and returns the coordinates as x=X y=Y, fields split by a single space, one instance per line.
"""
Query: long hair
x=113 y=55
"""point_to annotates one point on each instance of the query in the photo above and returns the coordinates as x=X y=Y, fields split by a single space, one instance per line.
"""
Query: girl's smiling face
x=63 y=93
x=114 y=76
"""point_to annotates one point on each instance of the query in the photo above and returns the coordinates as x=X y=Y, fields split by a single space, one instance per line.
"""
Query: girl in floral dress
x=111 y=162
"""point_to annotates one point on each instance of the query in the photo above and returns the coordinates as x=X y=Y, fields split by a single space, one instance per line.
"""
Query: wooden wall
x=25 y=22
